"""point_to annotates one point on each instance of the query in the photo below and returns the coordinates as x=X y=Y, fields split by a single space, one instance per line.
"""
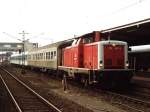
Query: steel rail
x=13 y=99
x=35 y=93
x=129 y=98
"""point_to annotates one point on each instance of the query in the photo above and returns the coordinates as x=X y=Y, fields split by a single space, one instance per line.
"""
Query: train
x=137 y=62
x=88 y=58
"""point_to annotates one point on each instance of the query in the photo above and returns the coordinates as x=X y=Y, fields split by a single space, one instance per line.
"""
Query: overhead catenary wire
x=127 y=7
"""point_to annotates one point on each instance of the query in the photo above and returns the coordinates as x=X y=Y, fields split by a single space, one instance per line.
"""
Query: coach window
x=52 y=55
x=36 y=56
x=41 y=55
x=55 y=54
x=46 y=55
x=49 y=55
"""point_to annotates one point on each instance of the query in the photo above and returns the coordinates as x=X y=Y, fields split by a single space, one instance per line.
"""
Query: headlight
x=127 y=63
x=101 y=63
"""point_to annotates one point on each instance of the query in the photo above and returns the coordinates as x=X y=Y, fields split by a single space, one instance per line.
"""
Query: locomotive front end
x=113 y=63
x=113 y=55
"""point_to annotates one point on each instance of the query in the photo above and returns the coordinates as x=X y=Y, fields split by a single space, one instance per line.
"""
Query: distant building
x=14 y=47
x=6 y=49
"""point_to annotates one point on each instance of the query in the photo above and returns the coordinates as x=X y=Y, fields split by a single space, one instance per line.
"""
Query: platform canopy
x=137 y=33
x=4 y=46
x=10 y=46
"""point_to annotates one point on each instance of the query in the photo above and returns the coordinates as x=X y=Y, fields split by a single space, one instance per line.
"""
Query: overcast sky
x=53 y=20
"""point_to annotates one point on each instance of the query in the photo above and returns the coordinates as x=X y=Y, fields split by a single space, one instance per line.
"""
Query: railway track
x=141 y=94
x=129 y=103
x=125 y=101
x=24 y=98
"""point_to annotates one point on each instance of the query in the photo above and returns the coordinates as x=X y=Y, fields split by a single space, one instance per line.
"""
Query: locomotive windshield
x=88 y=40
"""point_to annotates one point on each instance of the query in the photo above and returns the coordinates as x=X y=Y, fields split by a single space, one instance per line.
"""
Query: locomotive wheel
x=78 y=78
x=86 y=82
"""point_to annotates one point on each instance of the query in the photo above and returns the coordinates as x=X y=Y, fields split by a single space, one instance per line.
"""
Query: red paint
x=73 y=56
x=114 y=56
x=90 y=56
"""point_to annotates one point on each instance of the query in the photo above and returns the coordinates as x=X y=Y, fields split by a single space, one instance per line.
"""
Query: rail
x=130 y=99
x=31 y=90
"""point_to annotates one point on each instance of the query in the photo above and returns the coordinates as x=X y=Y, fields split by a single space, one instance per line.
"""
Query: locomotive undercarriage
x=114 y=78
x=111 y=78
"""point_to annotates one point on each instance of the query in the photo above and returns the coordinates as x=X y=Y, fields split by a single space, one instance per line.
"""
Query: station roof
x=136 y=33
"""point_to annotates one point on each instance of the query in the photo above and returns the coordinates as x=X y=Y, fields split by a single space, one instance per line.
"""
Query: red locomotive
x=90 y=59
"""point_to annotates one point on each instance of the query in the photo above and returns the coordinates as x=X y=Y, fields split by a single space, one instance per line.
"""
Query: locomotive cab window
x=88 y=40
